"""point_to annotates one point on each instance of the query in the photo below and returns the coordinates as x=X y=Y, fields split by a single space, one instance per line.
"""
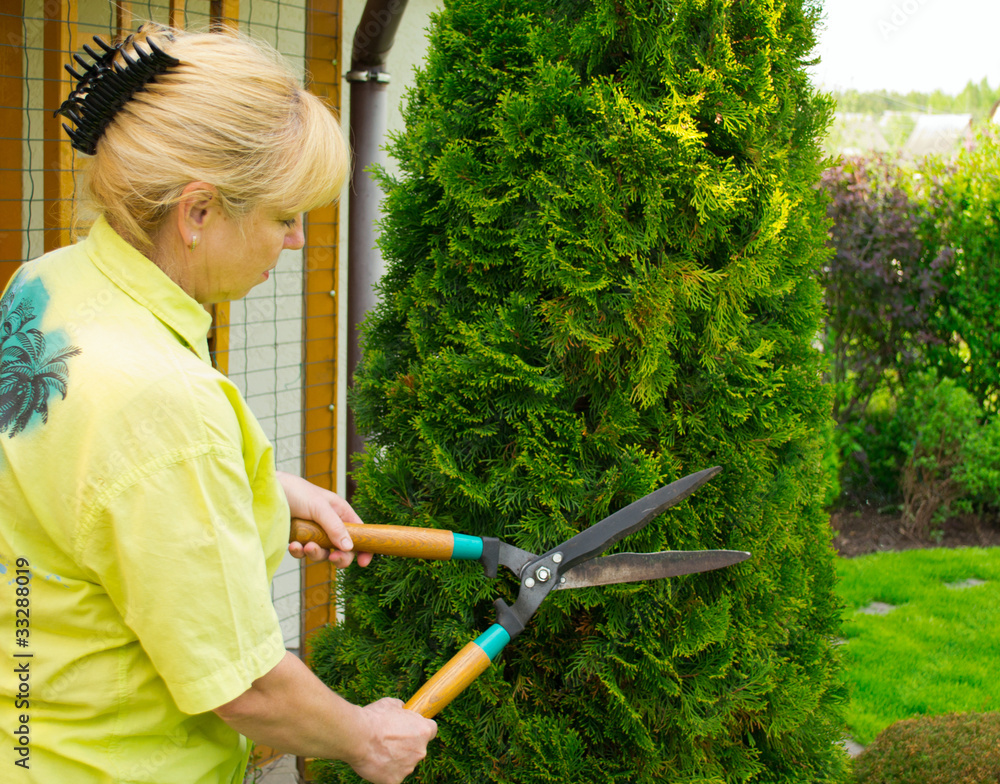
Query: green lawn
x=937 y=652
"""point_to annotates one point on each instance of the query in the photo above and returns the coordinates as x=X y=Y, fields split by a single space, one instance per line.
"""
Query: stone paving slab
x=971 y=582
x=281 y=771
x=877 y=608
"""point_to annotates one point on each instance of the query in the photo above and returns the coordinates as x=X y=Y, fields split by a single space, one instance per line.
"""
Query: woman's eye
x=290 y=223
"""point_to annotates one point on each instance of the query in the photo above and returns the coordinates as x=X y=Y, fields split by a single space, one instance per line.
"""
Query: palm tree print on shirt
x=32 y=370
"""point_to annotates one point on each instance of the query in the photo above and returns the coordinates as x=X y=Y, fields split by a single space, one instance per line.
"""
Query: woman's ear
x=195 y=210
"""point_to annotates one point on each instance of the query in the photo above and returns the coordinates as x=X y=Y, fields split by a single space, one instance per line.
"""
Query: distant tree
x=913 y=286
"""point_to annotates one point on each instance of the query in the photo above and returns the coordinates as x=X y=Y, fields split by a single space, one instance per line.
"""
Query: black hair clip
x=106 y=86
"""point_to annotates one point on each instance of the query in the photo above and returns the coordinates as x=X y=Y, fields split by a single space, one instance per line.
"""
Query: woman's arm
x=291 y=710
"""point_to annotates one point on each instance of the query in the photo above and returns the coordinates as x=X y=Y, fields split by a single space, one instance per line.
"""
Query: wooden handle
x=430 y=543
x=450 y=681
x=402 y=540
x=463 y=668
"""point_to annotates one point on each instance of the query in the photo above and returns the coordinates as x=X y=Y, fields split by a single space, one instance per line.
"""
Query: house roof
x=937 y=134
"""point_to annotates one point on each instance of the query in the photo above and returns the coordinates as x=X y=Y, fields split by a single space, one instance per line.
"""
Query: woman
x=141 y=516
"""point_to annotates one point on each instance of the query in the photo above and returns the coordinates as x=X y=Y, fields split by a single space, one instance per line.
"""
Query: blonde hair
x=233 y=114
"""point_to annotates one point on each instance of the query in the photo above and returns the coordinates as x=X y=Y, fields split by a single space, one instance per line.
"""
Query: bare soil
x=862 y=529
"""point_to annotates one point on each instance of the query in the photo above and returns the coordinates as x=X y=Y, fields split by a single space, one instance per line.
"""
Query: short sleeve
x=180 y=554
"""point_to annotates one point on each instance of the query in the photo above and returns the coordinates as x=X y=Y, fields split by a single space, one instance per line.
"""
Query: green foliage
x=873 y=453
x=951 y=454
x=938 y=418
x=602 y=253
x=963 y=214
x=936 y=652
x=953 y=749
x=978 y=473
x=832 y=463
x=934 y=443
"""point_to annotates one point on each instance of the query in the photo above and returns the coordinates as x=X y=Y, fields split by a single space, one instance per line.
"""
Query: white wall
x=407 y=54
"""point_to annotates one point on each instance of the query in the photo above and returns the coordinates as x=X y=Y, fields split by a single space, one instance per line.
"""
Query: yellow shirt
x=141 y=522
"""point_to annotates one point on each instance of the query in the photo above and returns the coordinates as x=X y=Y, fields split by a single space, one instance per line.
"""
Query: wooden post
x=61 y=37
x=177 y=13
x=11 y=145
x=320 y=333
x=320 y=330
x=123 y=17
x=225 y=13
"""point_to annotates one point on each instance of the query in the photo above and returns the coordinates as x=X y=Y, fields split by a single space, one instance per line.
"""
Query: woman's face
x=234 y=256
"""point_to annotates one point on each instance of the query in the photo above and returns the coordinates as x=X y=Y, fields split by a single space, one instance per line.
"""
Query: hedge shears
x=572 y=564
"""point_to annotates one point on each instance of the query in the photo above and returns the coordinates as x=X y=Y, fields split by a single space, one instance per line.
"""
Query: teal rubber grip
x=493 y=640
x=467 y=548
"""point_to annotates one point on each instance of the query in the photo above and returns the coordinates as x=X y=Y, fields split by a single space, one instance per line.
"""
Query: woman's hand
x=399 y=739
x=291 y=710
x=330 y=511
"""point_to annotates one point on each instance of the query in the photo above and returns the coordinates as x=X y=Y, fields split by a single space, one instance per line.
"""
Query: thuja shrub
x=602 y=253
x=951 y=749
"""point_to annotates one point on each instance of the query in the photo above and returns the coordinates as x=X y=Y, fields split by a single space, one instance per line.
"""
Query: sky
x=905 y=45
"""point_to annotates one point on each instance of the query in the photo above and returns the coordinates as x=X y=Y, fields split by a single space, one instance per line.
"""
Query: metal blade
x=543 y=573
x=635 y=567
x=600 y=536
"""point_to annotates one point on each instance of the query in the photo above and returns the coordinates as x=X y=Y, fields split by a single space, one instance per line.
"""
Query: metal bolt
x=543 y=574
x=556 y=557
x=562 y=580
x=330 y=407
x=529 y=582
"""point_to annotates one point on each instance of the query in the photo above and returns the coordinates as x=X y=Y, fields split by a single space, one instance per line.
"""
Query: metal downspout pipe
x=369 y=84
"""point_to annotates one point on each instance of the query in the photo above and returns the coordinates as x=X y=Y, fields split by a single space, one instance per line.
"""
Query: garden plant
x=962 y=203
x=951 y=749
x=911 y=293
x=602 y=260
